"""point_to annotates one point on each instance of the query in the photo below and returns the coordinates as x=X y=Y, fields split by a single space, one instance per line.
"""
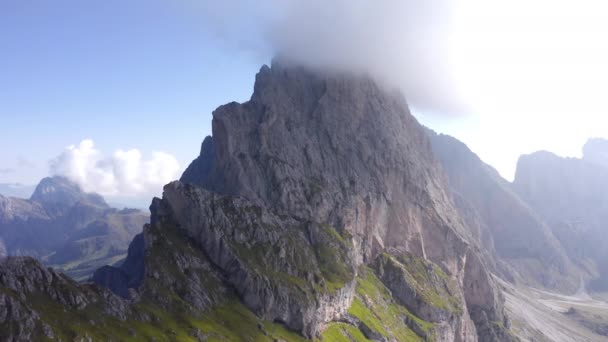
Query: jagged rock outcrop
x=424 y=289
x=66 y=227
x=570 y=194
x=517 y=242
x=284 y=268
x=200 y=167
x=30 y=296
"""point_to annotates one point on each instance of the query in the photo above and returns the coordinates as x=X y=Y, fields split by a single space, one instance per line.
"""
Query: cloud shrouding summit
x=448 y=56
x=400 y=42
x=124 y=173
x=534 y=69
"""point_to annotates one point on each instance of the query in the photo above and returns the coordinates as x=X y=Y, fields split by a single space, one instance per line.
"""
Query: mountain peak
x=60 y=193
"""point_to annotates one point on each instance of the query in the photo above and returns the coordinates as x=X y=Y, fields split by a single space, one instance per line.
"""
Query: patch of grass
x=341 y=332
x=375 y=307
x=327 y=261
x=333 y=267
x=429 y=281
x=344 y=237
x=163 y=313
x=366 y=316
x=234 y=322
x=231 y=321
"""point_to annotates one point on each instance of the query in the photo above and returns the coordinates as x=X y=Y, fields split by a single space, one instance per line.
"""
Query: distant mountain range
x=571 y=195
x=73 y=231
x=518 y=244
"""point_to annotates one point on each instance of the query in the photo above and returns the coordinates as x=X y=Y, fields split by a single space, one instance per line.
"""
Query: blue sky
x=120 y=73
x=100 y=87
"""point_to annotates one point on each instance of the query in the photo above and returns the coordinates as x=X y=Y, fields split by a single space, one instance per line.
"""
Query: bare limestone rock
x=341 y=150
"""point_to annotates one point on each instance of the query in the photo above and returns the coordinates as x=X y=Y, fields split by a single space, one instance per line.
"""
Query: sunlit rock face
x=343 y=151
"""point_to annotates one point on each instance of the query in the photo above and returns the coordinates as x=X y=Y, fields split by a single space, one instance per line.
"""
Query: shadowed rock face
x=62 y=225
x=200 y=168
x=129 y=275
x=570 y=194
x=516 y=241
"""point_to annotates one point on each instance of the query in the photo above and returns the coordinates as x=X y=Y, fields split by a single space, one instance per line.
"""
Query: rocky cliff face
x=67 y=228
x=518 y=244
x=308 y=145
x=316 y=210
x=341 y=151
x=570 y=194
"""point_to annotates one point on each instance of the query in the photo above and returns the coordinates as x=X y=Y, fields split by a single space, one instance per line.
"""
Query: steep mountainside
x=316 y=209
x=503 y=224
x=570 y=194
x=339 y=151
x=74 y=231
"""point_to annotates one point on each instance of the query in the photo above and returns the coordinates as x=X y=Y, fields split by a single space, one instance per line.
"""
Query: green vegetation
x=173 y=319
x=344 y=238
x=291 y=261
x=333 y=266
x=230 y=321
x=427 y=279
x=234 y=322
x=341 y=332
x=151 y=320
x=375 y=307
x=305 y=258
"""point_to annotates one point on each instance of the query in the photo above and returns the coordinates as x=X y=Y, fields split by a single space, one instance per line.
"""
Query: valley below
x=540 y=315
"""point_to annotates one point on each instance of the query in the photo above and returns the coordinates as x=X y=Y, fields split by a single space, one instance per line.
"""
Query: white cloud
x=491 y=57
x=531 y=73
x=125 y=173
x=400 y=42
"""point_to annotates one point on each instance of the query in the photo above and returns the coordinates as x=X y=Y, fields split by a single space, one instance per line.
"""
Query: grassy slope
x=229 y=320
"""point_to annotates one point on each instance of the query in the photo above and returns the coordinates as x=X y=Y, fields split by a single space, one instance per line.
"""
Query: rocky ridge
x=315 y=164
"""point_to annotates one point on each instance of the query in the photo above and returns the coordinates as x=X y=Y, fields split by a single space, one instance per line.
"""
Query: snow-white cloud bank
x=125 y=173
x=488 y=57
x=506 y=77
